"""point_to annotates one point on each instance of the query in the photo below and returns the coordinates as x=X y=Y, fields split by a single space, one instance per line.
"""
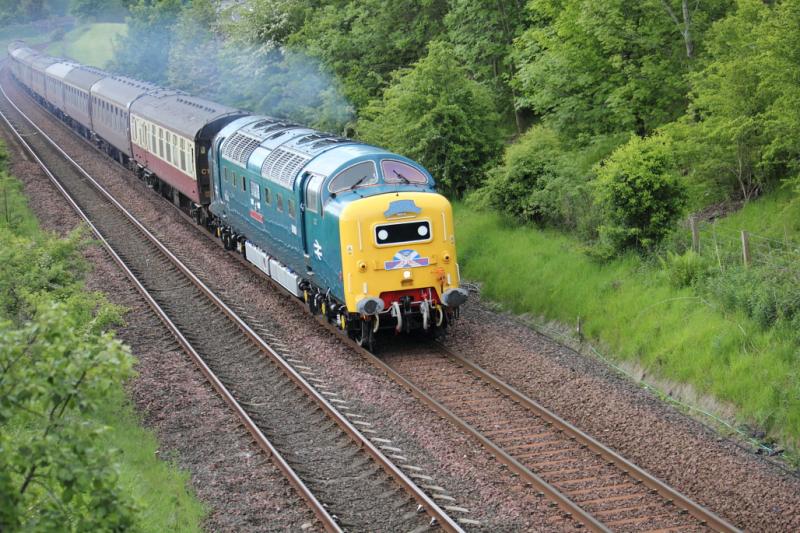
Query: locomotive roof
x=179 y=111
x=122 y=90
x=61 y=69
x=275 y=148
x=84 y=77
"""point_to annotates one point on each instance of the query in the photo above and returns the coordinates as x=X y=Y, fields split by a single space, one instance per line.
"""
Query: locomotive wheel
x=227 y=240
x=366 y=337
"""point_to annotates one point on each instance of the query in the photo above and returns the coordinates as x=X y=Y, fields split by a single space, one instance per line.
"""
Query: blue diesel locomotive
x=356 y=231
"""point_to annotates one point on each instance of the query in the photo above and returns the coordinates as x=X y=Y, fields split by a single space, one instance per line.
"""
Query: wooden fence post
x=746 y=248
x=695 y=234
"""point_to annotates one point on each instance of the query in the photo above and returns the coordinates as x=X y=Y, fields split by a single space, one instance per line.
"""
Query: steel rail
x=569 y=507
x=439 y=516
x=703 y=515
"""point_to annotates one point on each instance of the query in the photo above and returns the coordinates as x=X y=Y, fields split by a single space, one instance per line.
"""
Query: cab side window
x=314 y=193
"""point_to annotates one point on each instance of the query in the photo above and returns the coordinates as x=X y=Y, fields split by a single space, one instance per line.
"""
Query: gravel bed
x=746 y=489
x=469 y=474
x=559 y=460
x=241 y=489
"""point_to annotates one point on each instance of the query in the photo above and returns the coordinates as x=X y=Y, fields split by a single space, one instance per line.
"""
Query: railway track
x=345 y=477
x=588 y=481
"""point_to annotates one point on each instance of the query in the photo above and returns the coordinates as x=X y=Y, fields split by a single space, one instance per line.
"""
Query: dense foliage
x=715 y=77
x=58 y=365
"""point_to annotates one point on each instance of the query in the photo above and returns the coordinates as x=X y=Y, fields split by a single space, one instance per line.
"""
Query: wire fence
x=728 y=248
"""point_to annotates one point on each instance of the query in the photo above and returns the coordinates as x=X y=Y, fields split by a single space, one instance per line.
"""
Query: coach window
x=153 y=144
x=290 y=208
x=183 y=155
x=279 y=202
x=235 y=181
x=244 y=183
x=225 y=174
x=267 y=196
x=255 y=191
x=169 y=148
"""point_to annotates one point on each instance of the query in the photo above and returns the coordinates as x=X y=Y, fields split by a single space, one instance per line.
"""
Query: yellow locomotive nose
x=398 y=247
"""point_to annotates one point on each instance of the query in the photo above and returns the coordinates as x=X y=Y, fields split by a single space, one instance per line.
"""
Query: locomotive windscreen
x=406 y=232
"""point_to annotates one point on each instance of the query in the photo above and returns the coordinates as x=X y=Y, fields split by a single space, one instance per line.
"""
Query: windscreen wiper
x=405 y=179
x=359 y=182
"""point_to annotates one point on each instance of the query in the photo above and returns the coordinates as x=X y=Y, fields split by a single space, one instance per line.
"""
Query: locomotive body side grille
x=281 y=167
x=238 y=148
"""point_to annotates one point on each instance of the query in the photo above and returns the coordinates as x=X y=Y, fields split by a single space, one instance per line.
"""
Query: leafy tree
x=28 y=10
x=363 y=41
x=435 y=113
x=270 y=22
x=193 y=62
x=483 y=34
x=606 y=66
x=98 y=9
x=218 y=61
x=532 y=184
x=639 y=193
x=745 y=102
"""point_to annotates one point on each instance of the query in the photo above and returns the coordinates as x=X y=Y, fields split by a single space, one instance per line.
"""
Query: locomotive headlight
x=446 y=257
x=362 y=266
x=406 y=274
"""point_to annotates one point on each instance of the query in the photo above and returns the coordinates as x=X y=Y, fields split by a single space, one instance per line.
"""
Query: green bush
x=531 y=184
x=639 y=193
x=685 y=270
x=58 y=364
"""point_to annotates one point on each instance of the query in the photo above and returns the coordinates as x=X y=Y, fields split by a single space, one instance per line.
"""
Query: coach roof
x=179 y=111
x=122 y=90
x=84 y=77
x=60 y=70
x=43 y=61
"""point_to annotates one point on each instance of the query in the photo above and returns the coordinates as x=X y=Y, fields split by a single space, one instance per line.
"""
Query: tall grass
x=631 y=307
x=161 y=490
